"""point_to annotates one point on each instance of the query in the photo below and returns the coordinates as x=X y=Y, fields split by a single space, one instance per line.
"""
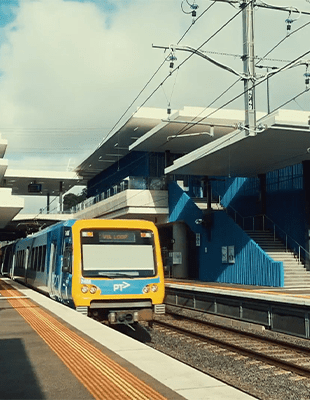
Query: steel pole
x=249 y=66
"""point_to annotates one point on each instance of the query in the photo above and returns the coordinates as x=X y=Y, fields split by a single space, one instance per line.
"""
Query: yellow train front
x=115 y=269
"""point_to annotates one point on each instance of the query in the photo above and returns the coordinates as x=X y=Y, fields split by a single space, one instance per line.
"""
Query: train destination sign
x=116 y=237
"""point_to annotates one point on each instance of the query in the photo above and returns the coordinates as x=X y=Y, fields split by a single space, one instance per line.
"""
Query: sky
x=69 y=69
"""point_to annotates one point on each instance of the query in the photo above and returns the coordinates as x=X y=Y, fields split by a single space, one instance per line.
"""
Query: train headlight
x=93 y=289
x=154 y=288
x=146 y=289
x=84 y=289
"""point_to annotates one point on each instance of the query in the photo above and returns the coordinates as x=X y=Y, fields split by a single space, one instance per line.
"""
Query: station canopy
x=282 y=139
x=209 y=141
x=153 y=130
x=40 y=183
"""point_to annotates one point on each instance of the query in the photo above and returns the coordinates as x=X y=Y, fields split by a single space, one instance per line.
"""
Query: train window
x=118 y=253
x=67 y=259
x=39 y=255
x=43 y=258
x=35 y=258
x=20 y=259
x=32 y=258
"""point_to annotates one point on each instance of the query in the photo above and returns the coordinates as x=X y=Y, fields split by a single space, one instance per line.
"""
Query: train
x=110 y=270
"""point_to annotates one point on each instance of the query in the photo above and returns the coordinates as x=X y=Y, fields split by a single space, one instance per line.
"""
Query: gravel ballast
x=251 y=376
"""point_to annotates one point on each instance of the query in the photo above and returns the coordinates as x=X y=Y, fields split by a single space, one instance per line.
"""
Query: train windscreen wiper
x=122 y=275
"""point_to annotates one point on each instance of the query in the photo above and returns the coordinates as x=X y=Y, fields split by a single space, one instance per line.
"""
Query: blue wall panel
x=252 y=265
x=285 y=201
x=287 y=210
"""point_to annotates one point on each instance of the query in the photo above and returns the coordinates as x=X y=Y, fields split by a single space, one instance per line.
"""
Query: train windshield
x=117 y=253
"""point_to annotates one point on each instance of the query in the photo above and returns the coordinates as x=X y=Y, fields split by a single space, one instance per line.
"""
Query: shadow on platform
x=17 y=377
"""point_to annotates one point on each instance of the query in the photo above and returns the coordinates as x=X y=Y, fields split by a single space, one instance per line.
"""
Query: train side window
x=39 y=258
x=22 y=259
x=43 y=259
x=32 y=258
x=67 y=259
x=35 y=258
x=29 y=259
x=17 y=258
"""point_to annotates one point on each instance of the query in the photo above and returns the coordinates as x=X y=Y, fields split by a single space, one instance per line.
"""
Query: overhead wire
x=183 y=130
x=191 y=55
x=292 y=99
x=194 y=21
x=280 y=70
x=152 y=77
x=231 y=19
x=281 y=41
x=205 y=42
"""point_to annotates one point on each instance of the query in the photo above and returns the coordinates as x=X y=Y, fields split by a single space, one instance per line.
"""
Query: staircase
x=295 y=274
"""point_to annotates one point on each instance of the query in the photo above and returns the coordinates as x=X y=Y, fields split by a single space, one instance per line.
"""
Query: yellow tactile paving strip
x=103 y=377
x=231 y=288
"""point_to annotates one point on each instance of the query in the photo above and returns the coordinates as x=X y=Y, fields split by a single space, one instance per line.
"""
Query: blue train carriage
x=110 y=270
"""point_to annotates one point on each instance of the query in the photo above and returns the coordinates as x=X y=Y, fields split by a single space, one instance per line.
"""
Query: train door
x=52 y=281
x=26 y=260
x=12 y=266
x=66 y=266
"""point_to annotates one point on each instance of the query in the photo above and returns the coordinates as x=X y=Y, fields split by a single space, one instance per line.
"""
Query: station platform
x=294 y=295
x=49 y=351
x=284 y=310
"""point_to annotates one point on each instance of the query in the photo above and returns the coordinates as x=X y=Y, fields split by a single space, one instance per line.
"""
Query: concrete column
x=168 y=159
x=60 y=197
x=207 y=191
x=306 y=188
x=48 y=203
x=180 y=247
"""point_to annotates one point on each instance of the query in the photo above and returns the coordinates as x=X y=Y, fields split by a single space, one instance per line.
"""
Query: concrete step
x=295 y=275
x=297 y=269
x=297 y=279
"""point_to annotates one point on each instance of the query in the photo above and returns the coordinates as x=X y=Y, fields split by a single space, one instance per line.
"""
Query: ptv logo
x=120 y=286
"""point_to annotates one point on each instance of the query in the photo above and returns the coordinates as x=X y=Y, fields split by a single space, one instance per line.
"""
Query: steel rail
x=286 y=365
x=278 y=342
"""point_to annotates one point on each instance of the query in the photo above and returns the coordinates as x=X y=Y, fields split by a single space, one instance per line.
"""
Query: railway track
x=270 y=352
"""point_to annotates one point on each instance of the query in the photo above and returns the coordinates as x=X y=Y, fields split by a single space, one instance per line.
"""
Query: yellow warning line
x=104 y=378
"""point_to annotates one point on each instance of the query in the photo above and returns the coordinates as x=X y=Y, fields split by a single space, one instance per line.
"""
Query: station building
x=213 y=190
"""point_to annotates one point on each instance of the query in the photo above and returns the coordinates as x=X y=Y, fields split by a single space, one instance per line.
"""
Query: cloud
x=70 y=69
x=65 y=69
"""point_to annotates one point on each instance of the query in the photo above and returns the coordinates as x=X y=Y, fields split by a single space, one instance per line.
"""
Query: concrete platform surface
x=48 y=378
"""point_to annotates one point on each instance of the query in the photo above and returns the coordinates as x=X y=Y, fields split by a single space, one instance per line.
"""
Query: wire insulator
x=289 y=22
x=307 y=76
